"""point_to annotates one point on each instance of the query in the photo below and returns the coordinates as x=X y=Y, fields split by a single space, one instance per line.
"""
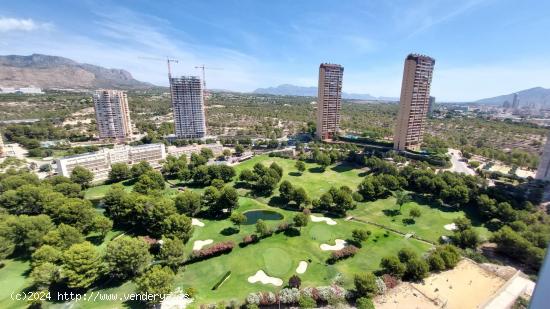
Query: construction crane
x=203 y=68
x=168 y=61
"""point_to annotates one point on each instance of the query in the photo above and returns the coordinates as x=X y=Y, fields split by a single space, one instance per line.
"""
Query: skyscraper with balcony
x=543 y=170
x=414 y=102
x=188 y=106
x=112 y=114
x=329 y=100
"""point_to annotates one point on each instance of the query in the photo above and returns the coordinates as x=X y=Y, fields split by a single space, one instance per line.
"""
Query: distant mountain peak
x=536 y=96
x=293 y=90
x=46 y=71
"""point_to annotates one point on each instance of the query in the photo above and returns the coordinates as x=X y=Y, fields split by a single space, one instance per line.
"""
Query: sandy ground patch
x=450 y=227
x=198 y=244
x=197 y=222
x=340 y=244
x=302 y=267
x=328 y=221
x=260 y=276
x=466 y=286
x=403 y=296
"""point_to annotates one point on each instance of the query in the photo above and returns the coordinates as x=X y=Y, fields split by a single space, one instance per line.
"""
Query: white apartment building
x=216 y=148
x=99 y=162
x=188 y=106
x=112 y=114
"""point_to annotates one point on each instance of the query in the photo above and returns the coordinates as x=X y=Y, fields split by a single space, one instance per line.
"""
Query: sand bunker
x=450 y=227
x=340 y=244
x=302 y=266
x=196 y=222
x=198 y=244
x=329 y=221
x=265 y=279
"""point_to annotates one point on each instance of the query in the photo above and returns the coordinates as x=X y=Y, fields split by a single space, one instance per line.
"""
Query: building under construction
x=329 y=100
x=188 y=105
x=414 y=102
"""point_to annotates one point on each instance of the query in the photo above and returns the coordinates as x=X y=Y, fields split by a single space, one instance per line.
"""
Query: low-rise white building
x=99 y=162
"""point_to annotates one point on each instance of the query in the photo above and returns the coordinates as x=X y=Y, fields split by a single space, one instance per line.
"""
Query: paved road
x=459 y=166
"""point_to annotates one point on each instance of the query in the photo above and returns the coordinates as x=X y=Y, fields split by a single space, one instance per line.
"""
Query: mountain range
x=534 y=96
x=287 y=89
x=48 y=72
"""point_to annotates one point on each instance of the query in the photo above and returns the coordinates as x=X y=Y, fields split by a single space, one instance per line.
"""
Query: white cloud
x=8 y=24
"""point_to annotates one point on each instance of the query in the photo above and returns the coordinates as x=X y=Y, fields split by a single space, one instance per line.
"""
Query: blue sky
x=482 y=47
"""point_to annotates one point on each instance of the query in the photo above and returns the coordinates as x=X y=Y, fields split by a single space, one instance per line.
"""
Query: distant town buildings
x=22 y=90
x=188 y=106
x=112 y=114
x=543 y=170
x=99 y=162
x=515 y=101
x=431 y=107
x=329 y=100
x=414 y=102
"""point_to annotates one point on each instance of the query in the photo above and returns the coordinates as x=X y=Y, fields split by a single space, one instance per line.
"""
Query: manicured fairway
x=280 y=254
x=312 y=180
x=430 y=225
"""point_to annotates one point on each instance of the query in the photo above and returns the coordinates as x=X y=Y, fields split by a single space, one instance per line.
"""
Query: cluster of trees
x=31 y=208
x=78 y=264
x=336 y=200
x=196 y=171
x=147 y=215
x=289 y=193
x=407 y=265
x=262 y=179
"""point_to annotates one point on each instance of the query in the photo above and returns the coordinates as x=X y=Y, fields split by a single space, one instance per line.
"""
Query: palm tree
x=401 y=197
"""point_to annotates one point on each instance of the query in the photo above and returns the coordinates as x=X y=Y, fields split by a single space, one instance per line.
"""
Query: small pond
x=253 y=216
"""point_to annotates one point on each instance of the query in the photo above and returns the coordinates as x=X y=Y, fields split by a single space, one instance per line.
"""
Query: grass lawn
x=312 y=180
x=13 y=280
x=430 y=225
x=279 y=255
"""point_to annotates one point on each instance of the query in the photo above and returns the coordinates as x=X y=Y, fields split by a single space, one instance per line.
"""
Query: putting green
x=277 y=261
x=321 y=232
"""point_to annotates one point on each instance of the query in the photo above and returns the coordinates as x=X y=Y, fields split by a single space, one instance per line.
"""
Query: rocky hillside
x=57 y=72
x=538 y=96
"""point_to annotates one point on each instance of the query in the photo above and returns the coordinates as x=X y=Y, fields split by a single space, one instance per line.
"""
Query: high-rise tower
x=188 y=105
x=543 y=170
x=329 y=100
x=414 y=102
x=112 y=114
